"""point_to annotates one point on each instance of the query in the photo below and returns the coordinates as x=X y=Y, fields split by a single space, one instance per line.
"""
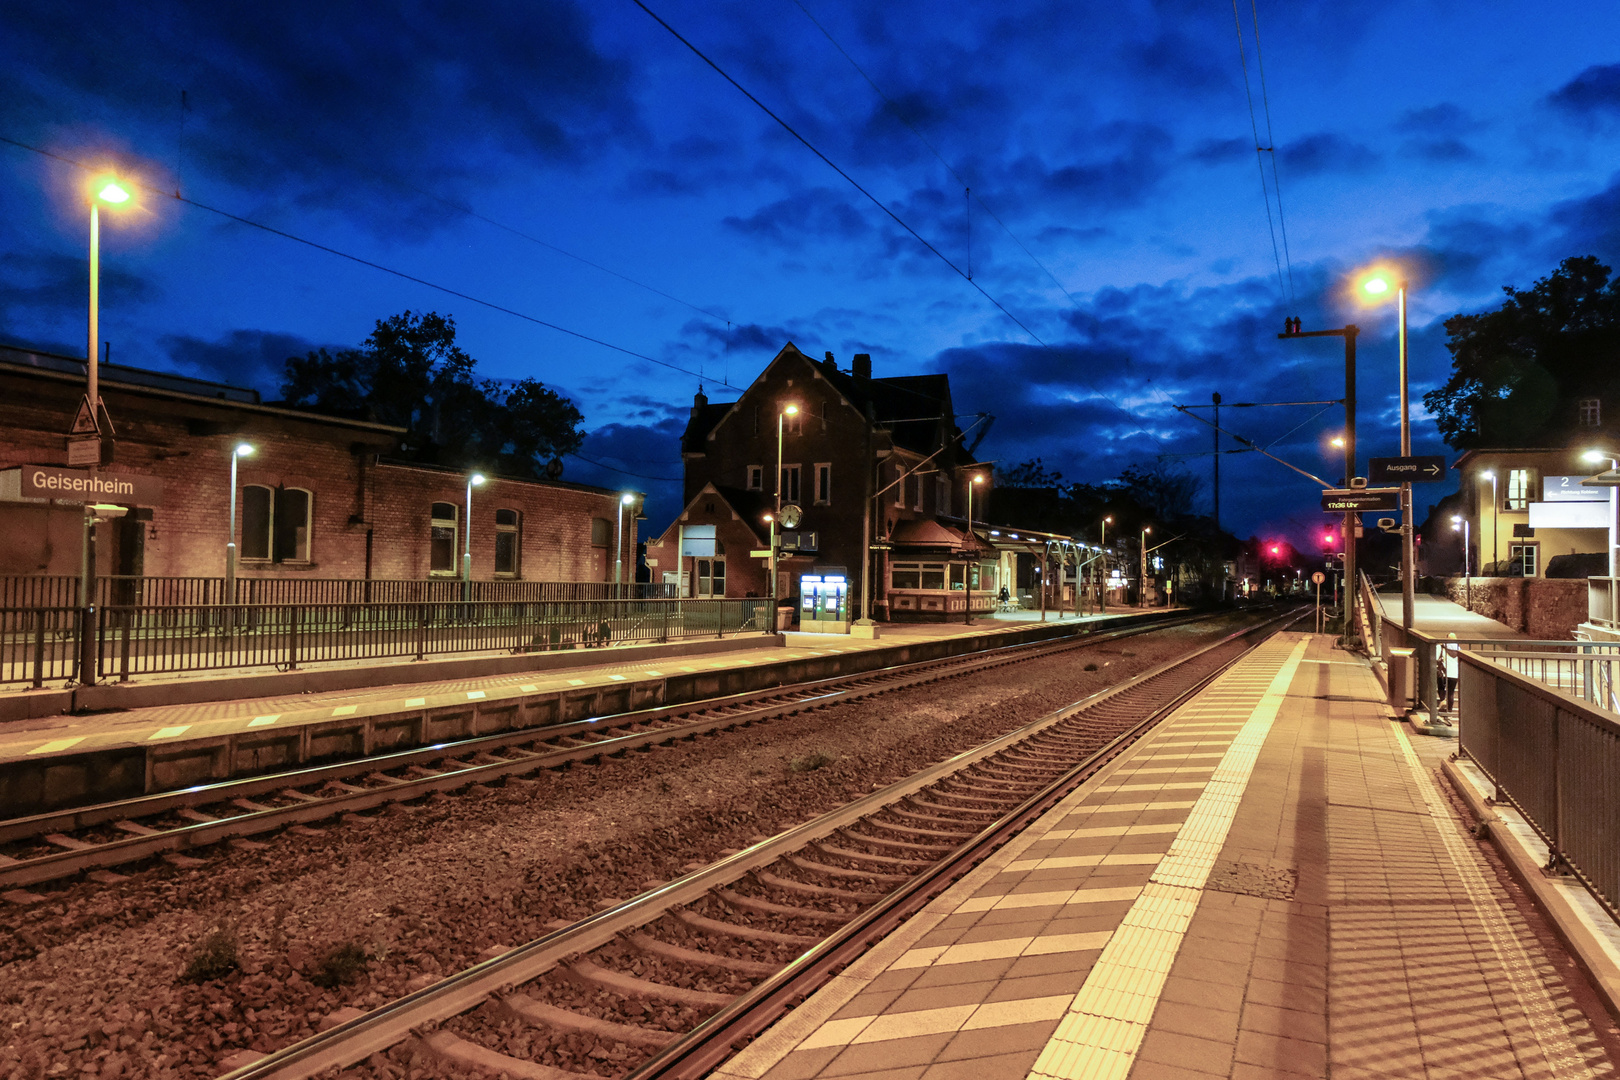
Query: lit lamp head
x=1456 y=523
x=243 y=450
x=1338 y=441
x=1597 y=456
x=790 y=409
x=978 y=479
x=627 y=498
x=111 y=190
x=475 y=479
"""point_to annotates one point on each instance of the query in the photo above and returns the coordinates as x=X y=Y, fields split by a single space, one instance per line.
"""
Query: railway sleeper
x=901 y=810
x=591 y=974
x=843 y=871
x=983 y=813
x=867 y=856
x=934 y=850
x=698 y=958
x=541 y=1014
x=454 y=1050
x=734 y=899
x=953 y=836
x=747 y=933
x=831 y=892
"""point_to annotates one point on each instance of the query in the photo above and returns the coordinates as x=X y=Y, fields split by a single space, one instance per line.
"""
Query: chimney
x=698 y=401
x=862 y=368
x=832 y=365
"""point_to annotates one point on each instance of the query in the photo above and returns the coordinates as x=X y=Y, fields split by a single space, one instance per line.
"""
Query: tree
x=1164 y=492
x=1518 y=371
x=411 y=373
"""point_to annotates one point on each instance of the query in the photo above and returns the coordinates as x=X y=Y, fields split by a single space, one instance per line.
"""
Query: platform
x=1271 y=884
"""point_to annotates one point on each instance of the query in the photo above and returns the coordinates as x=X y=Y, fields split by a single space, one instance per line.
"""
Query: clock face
x=791 y=516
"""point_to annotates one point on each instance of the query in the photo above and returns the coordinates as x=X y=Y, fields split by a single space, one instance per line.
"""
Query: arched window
x=276 y=524
x=508 y=542
x=442 y=539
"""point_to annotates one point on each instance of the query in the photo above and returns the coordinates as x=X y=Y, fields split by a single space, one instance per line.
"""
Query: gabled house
x=878 y=471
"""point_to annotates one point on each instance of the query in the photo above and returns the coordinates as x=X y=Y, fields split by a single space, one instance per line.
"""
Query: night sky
x=1475 y=143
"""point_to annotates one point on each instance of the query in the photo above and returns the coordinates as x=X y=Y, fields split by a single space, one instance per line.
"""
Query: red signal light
x=1276 y=549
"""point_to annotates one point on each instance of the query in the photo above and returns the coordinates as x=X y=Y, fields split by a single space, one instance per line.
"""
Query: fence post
x=87 y=645
x=663 y=633
x=39 y=648
x=292 y=638
x=123 y=649
x=421 y=630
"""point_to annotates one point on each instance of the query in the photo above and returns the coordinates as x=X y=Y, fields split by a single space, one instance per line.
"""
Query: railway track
x=176 y=826
x=669 y=983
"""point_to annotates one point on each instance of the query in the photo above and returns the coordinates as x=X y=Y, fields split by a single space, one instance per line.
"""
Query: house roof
x=910 y=407
x=749 y=506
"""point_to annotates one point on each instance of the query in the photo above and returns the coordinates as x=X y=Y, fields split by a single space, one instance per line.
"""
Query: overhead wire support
x=318 y=246
x=1251 y=445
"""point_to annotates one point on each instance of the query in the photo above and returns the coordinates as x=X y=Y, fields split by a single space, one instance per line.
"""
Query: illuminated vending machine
x=823 y=604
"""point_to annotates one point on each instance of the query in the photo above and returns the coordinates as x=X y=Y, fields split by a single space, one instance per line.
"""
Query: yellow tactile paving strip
x=1099 y=945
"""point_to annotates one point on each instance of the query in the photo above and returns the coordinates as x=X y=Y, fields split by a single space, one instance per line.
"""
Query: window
x=601 y=532
x=899 y=485
x=1517 y=495
x=275 y=523
x=1522 y=560
x=1591 y=412
x=508 y=542
x=823 y=416
x=917 y=576
x=756 y=419
x=958 y=575
x=942 y=495
x=711 y=577
x=917 y=492
x=790 y=483
x=823 y=483
x=442 y=539
x=756 y=477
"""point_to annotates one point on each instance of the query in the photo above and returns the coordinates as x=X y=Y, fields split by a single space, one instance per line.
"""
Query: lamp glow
x=1376 y=285
x=475 y=479
x=244 y=449
x=113 y=192
x=1594 y=456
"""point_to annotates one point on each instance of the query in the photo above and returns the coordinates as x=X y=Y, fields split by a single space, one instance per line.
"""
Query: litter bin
x=784 y=617
x=1402 y=664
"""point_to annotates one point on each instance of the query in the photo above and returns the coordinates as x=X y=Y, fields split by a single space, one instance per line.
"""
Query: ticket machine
x=823 y=604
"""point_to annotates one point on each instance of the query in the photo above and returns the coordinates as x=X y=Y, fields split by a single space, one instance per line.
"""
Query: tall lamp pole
x=1102 y=572
x=967 y=575
x=240 y=450
x=618 y=544
x=1377 y=286
x=1141 y=587
x=473 y=481
x=1458 y=522
x=790 y=409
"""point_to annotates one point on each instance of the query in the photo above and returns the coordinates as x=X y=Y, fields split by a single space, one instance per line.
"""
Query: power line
x=623 y=472
x=1271 y=143
x=177 y=197
x=1259 y=151
x=873 y=199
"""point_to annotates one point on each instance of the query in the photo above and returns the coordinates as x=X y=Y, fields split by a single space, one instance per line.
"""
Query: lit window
x=1517 y=495
x=508 y=542
x=1591 y=412
x=276 y=523
x=442 y=539
x=1522 y=560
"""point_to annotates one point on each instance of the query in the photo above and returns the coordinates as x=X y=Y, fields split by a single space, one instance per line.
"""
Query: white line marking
x=169 y=732
x=528 y=688
x=576 y=682
x=345 y=710
x=58 y=744
x=474 y=695
x=264 y=721
x=412 y=702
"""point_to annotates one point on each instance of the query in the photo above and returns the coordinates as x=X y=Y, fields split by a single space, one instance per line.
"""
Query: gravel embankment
x=92 y=981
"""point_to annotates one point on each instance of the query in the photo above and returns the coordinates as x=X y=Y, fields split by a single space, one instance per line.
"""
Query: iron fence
x=1553 y=757
x=38 y=644
x=116 y=590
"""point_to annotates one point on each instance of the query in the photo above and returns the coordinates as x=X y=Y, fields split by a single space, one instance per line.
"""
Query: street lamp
x=1102 y=574
x=790 y=409
x=240 y=450
x=618 y=542
x=967 y=575
x=1491 y=476
x=106 y=190
x=473 y=481
x=1595 y=456
x=1463 y=525
x=1377 y=285
x=1142 y=586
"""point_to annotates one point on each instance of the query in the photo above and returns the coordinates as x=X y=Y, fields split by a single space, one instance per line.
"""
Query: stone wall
x=1545 y=608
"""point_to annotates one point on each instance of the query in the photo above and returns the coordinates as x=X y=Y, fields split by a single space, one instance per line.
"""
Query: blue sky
x=1474 y=142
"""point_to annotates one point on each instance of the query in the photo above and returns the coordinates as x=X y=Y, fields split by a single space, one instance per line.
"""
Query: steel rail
x=757 y=705
x=389 y=1024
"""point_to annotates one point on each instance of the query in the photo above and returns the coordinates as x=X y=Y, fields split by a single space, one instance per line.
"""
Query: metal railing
x=119 y=590
x=1556 y=759
x=39 y=645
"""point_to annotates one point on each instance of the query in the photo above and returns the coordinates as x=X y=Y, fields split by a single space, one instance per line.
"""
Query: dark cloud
x=322 y=104
x=1590 y=225
x=640 y=457
x=1325 y=152
x=1129 y=170
x=251 y=358
x=1439 y=151
x=1222 y=151
x=1593 y=93
x=1181 y=63
x=41 y=288
x=1442 y=120
x=1053 y=234
x=818 y=213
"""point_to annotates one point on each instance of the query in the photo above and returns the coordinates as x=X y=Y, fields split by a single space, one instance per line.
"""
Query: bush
x=214 y=956
x=341 y=966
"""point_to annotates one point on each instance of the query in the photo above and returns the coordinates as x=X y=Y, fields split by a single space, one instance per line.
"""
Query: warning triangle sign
x=84 y=421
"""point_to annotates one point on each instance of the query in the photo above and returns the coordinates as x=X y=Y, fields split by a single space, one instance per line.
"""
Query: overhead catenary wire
x=369 y=263
x=1271 y=144
x=1259 y=151
x=875 y=201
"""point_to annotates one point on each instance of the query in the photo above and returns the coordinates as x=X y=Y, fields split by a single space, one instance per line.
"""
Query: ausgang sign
x=82 y=486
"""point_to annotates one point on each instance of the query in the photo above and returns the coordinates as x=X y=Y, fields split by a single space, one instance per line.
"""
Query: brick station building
x=894 y=440
x=319 y=498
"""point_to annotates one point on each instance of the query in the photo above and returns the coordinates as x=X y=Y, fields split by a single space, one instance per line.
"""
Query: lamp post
x=1460 y=523
x=1377 y=286
x=240 y=450
x=618 y=543
x=967 y=573
x=1142 y=586
x=1490 y=475
x=475 y=480
x=1102 y=573
x=790 y=409
x=111 y=192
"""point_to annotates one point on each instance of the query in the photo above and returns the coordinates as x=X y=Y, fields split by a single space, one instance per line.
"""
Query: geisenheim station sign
x=83 y=486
